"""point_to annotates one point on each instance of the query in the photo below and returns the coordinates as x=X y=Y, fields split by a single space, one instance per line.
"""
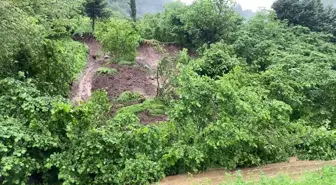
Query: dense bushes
x=312 y=14
x=260 y=95
x=29 y=133
x=203 y=22
x=40 y=48
x=118 y=37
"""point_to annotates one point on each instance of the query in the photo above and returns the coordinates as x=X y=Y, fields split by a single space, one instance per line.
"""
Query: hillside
x=195 y=94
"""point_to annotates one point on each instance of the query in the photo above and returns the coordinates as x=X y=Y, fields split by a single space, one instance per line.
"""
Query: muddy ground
x=81 y=89
x=140 y=77
x=293 y=168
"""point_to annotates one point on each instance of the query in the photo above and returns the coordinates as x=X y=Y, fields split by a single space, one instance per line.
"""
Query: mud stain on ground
x=293 y=168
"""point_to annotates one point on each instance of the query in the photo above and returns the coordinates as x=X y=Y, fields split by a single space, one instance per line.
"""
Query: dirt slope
x=293 y=168
x=139 y=78
x=81 y=90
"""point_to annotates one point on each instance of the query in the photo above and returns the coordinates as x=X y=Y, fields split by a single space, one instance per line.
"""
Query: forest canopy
x=240 y=93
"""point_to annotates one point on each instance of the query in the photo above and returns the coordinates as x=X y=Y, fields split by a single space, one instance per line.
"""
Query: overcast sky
x=249 y=4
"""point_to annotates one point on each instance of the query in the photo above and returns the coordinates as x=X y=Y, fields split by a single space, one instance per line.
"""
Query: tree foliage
x=309 y=13
x=133 y=10
x=119 y=37
x=96 y=9
x=203 y=22
x=257 y=92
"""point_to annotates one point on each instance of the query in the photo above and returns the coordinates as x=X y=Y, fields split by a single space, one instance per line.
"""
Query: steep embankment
x=140 y=77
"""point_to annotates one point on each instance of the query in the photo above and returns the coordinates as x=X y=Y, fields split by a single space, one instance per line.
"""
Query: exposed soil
x=293 y=168
x=138 y=78
x=148 y=56
x=81 y=90
x=147 y=118
x=129 y=78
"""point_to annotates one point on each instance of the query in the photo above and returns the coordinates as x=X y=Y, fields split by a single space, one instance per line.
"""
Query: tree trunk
x=93 y=24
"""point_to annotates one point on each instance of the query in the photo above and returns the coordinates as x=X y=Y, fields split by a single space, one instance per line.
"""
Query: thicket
x=317 y=15
x=36 y=43
x=203 y=22
x=119 y=38
x=258 y=93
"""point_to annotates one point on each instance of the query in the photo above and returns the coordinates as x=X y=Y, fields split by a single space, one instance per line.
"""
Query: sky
x=249 y=4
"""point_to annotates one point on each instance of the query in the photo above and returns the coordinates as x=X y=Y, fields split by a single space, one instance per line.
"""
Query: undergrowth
x=127 y=63
x=326 y=176
x=107 y=71
x=129 y=97
x=154 y=107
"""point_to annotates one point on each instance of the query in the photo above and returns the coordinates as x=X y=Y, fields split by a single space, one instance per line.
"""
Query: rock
x=152 y=77
x=106 y=57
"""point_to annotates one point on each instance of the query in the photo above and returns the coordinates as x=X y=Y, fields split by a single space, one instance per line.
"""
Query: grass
x=128 y=63
x=129 y=97
x=106 y=71
x=154 y=107
x=326 y=176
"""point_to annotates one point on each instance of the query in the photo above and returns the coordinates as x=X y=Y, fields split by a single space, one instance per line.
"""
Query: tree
x=203 y=22
x=119 y=37
x=96 y=9
x=133 y=10
x=309 y=13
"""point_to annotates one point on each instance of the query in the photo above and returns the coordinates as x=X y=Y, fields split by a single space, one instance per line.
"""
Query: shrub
x=128 y=97
x=127 y=63
x=217 y=60
x=118 y=37
x=317 y=144
x=203 y=22
x=106 y=71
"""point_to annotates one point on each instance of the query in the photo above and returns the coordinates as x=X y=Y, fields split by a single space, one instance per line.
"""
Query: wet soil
x=129 y=78
x=81 y=89
x=138 y=78
x=293 y=168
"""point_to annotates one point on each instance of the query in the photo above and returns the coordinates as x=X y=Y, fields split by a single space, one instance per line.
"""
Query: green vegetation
x=310 y=13
x=118 y=37
x=127 y=63
x=133 y=10
x=155 y=107
x=256 y=92
x=325 y=177
x=96 y=9
x=204 y=22
x=129 y=97
x=107 y=71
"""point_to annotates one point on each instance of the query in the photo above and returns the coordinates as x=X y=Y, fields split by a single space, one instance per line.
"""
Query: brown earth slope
x=81 y=90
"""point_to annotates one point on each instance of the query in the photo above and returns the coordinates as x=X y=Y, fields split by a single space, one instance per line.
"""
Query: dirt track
x=293 y=168
x=81 y=90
